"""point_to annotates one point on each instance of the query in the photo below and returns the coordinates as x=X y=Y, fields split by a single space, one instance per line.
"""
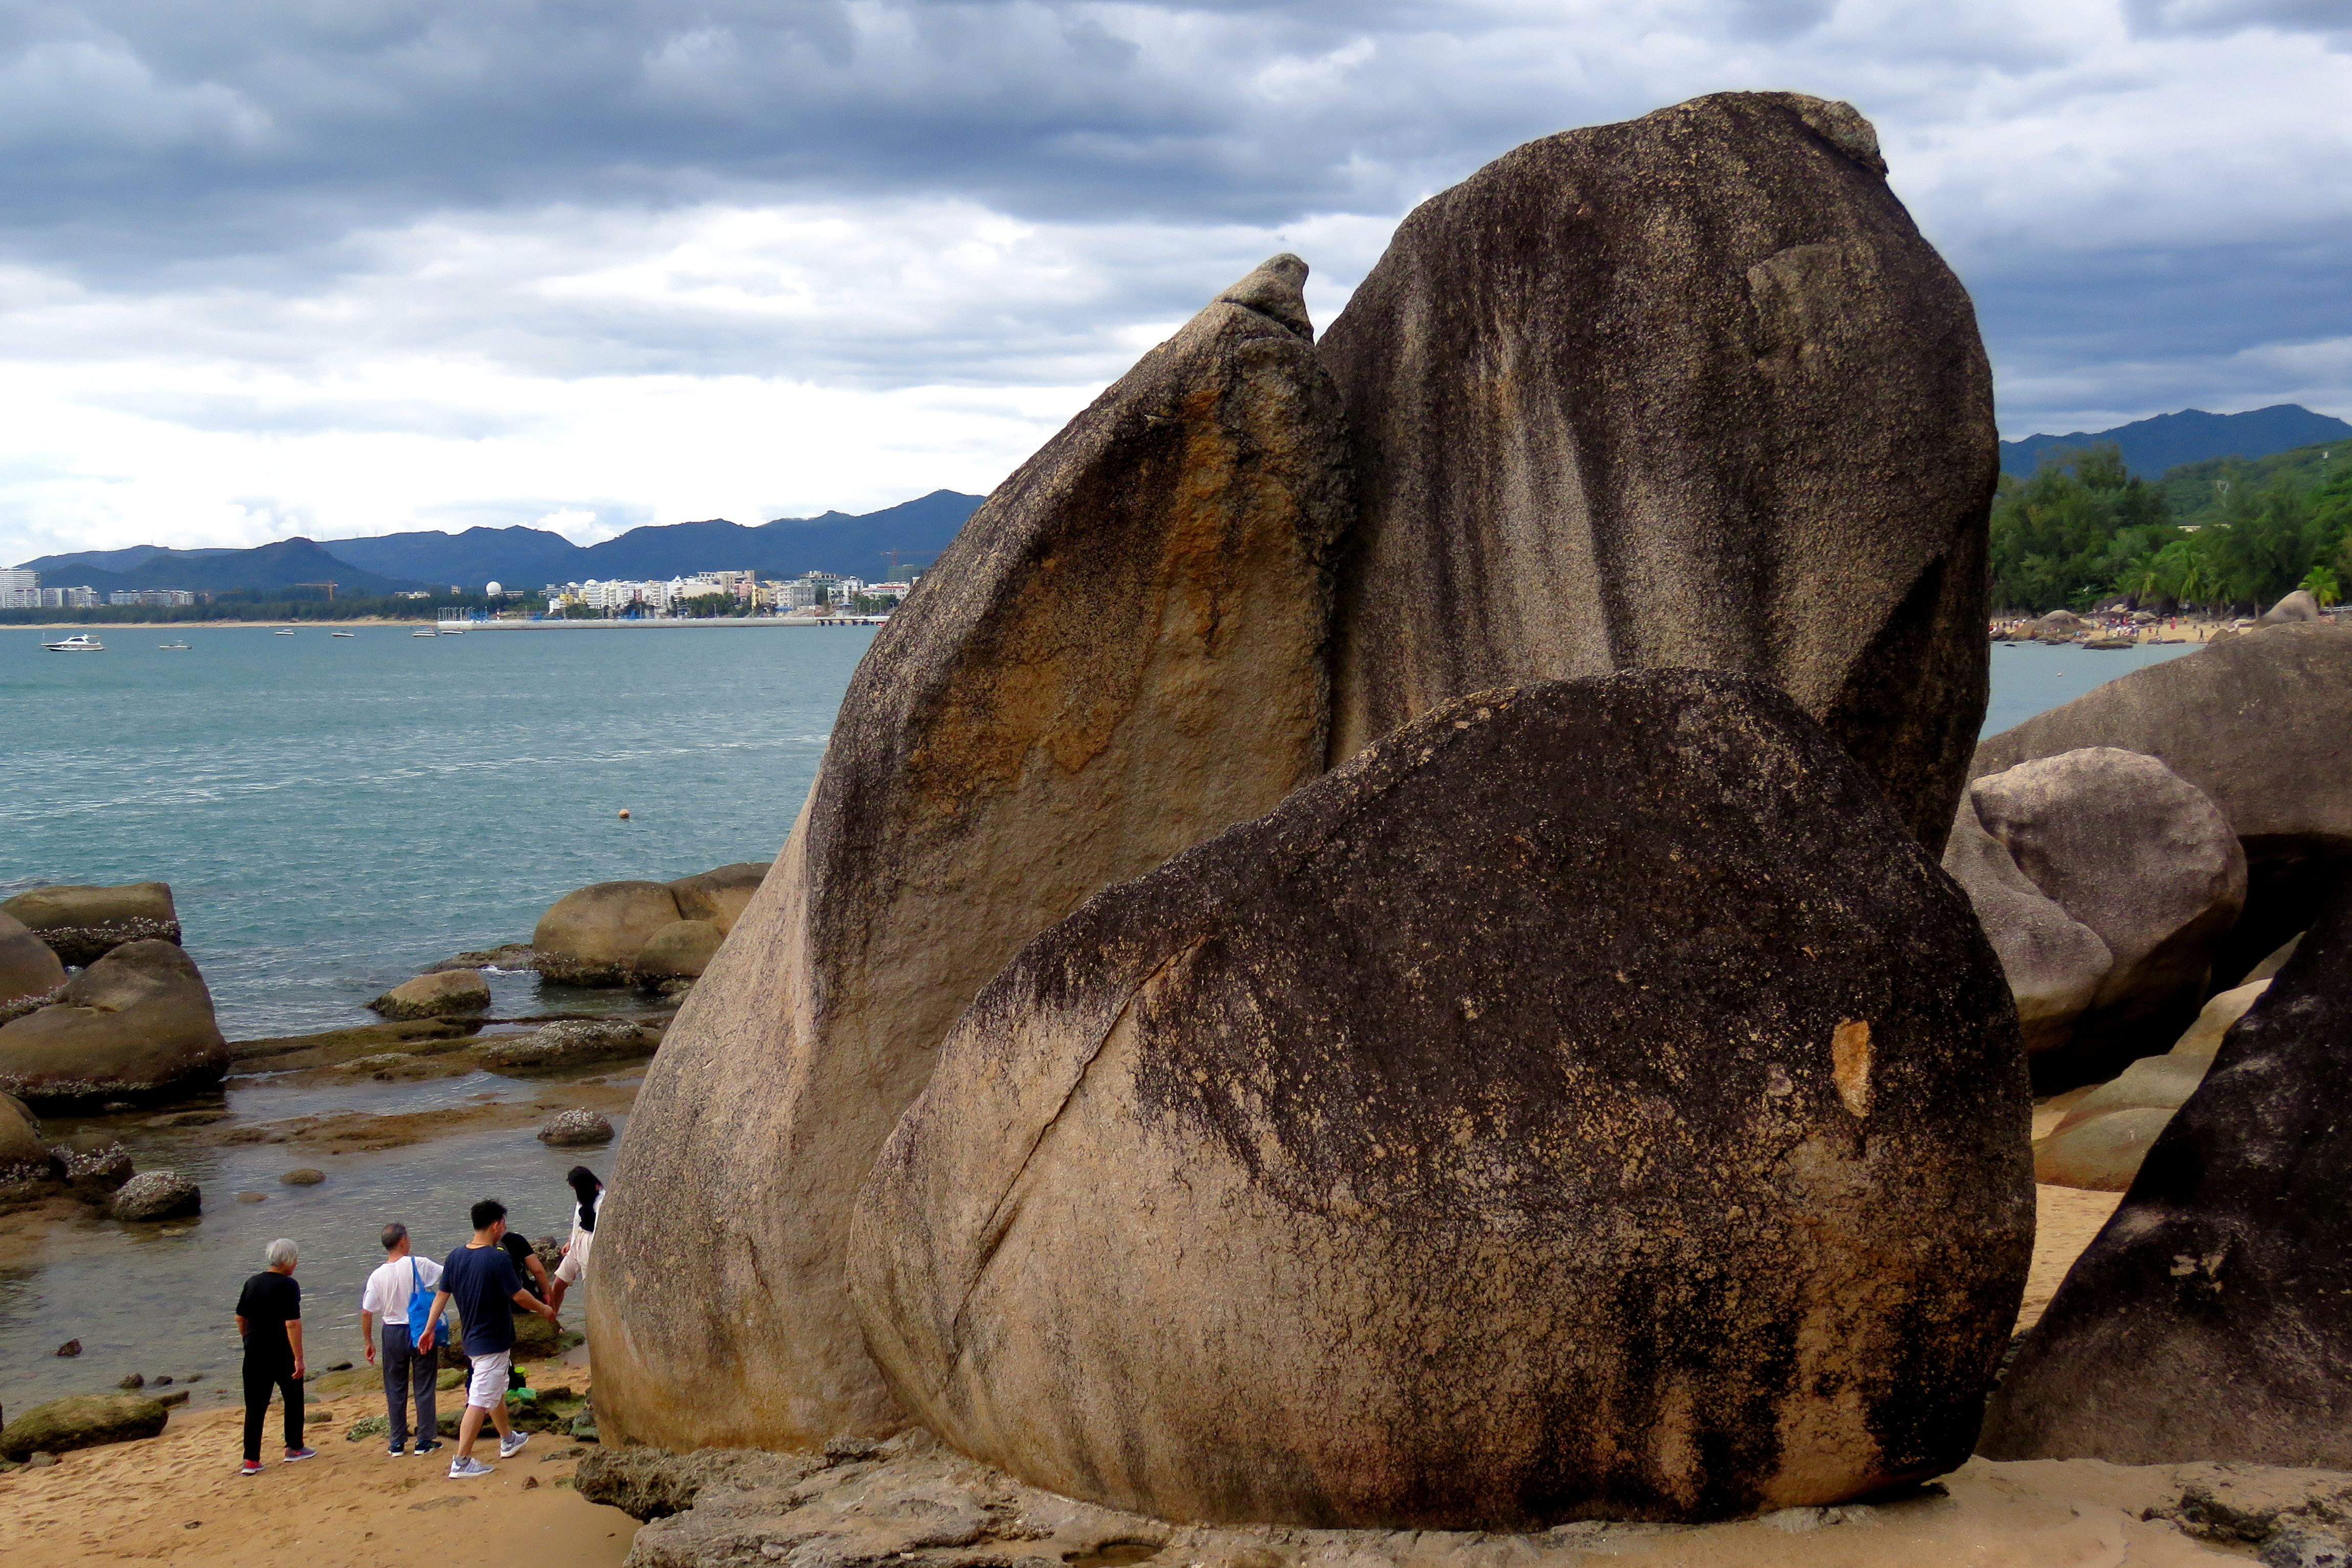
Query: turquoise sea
x=334 y=814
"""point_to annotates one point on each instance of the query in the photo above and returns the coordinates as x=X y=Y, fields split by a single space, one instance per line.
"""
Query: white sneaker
x=509 y=1447
x=465 y=1469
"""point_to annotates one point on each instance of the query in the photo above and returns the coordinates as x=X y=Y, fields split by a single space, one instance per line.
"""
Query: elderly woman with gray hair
x=269 y=1319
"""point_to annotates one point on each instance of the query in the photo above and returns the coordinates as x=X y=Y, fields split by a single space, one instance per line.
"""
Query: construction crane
x=328 y=586
x=894 y=563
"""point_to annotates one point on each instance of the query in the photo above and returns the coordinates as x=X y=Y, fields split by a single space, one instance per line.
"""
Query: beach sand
x=178 y=1499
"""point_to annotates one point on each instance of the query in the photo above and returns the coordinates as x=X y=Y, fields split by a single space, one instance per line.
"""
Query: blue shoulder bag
x=420 y=1304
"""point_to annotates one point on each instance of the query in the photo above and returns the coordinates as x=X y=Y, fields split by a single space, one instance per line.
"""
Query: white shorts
x=574 y=1264
x=487 y=1387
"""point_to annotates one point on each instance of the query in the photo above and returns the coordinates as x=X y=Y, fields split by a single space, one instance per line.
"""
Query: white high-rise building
x=20 y=589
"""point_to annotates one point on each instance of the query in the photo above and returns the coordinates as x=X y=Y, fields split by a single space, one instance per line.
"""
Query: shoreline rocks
x=576 y=1129
x=31 y=974
x=598 y=935
x=81 y=924
x=435 y=994
x=137 y=1020
x=82 y=1421
x=574 y=1044
x=156 y=1194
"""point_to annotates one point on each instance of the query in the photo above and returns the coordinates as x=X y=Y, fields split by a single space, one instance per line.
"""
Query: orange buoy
x=625 y=814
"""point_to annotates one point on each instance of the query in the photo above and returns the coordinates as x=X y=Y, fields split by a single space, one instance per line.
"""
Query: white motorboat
x=342 y=633
x=453 y=630
x=82 y=642
x=173 y=647
x=425 y=631
x=286 y=631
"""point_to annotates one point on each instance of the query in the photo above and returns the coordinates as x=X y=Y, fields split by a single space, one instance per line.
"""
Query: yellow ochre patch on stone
x=1850 y=1064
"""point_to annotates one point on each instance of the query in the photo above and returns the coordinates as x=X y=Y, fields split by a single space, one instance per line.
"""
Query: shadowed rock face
x=1122 y=653
x=1688 y=391
x=2212 y=1318
x=2256 y=723
x=85 y=924
x=1588 y=1101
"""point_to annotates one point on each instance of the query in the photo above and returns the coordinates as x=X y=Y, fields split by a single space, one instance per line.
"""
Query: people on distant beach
x=270 y=1321
x=397 y=1296
x=587 y=1189
x=481 y=1279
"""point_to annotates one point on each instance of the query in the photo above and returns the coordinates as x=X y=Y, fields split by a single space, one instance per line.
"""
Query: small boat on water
x=453 y=630
x=173 y=647
x=342 y=633
x=82 y=642
x=285 y=632
x=425 y=631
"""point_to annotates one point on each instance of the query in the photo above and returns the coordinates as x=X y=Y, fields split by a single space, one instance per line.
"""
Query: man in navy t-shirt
x=481 y=1279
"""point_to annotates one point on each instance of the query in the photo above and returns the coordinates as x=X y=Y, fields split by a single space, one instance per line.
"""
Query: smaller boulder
x=81 y=1421
x=82 y=924
x=2101 y=1155
x=30 y=970
x=137 y=1019
x=433 y=995
x=2153 y=1083
x=592 y=936
x=680 y=950
x=577 y=1128
x=572 y=1043
x=303 y=1176
x=23 y=1156
x=156 y=1194
x=2274 y=963
x=92 y=1163
x=718 y=896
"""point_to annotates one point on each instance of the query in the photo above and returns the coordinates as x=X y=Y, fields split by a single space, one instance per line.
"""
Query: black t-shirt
x=519 y=1252
x=267 y=1303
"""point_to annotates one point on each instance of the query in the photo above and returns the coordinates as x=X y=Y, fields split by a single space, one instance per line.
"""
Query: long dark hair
x=585 y=1186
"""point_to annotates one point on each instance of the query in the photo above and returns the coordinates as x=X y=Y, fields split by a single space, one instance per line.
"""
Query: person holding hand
x=481 y=1279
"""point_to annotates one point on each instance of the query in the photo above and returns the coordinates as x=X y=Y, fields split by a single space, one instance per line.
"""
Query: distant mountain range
x=2150 y=446
x=529 y=558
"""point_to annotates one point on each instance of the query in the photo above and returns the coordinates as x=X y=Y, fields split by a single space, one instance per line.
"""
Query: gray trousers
x=408 y=1374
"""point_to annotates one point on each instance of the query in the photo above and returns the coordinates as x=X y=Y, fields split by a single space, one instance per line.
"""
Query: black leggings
x=258 y=1377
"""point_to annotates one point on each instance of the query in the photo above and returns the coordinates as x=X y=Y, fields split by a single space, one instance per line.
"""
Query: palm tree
x=2320 y=583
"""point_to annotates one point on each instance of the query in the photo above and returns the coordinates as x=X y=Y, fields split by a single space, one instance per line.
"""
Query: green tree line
x=2083 y=532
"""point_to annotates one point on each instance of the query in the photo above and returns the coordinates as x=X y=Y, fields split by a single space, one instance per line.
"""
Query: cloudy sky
x=342 y=267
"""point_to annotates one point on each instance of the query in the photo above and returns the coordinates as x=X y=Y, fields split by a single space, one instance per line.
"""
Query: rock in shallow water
x=576 y=1129
x=432 y=995
x=29 y=970
x=82 y=924
x=156 y=1194
x=591 y=936
x=573 y=1043
x=1589 y=1101
x=138 y=1019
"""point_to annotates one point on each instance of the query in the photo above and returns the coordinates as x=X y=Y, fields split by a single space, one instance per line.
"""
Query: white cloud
x=337 y=270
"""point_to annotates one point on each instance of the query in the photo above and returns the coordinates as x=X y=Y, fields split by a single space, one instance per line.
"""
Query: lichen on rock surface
x=1686 y=390
x=82 y=924
x=139 y=1019
x=1589 y=1101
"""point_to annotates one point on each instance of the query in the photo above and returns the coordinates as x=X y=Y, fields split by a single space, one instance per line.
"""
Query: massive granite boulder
x=82 y=924
x=1688 y=391
x=139 y=1019
x=2212 y=1318
x=591 y=936
x=2142 y=860
x=1121 y=653
x=2256 y=723
x=29 y=968
x=1589 y=1101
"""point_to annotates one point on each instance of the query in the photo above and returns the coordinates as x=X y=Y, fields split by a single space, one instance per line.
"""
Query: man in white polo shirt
x=407 y=1371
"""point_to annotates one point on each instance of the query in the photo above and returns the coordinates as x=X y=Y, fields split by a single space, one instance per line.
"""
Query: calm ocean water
x=335 y=814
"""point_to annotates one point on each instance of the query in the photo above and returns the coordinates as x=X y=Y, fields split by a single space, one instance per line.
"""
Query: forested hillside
x=2227 y=533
